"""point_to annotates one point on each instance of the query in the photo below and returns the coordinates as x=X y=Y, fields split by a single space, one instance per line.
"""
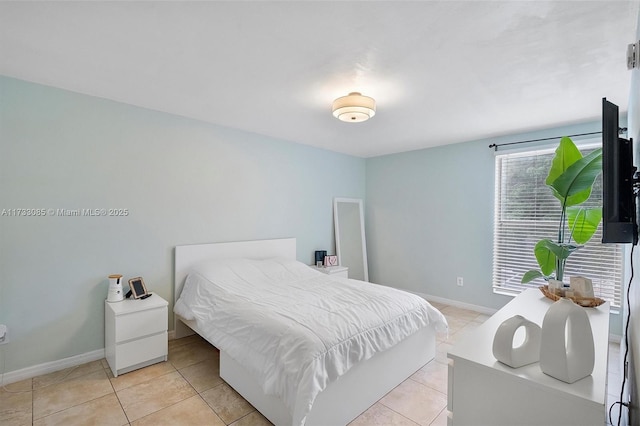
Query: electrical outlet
x=4 y=332
x=459 y=281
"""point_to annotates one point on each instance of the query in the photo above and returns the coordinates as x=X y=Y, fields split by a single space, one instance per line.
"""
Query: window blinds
x=526 y=212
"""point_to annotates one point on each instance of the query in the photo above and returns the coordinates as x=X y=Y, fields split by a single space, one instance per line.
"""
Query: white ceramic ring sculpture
x=566 y=350
x=527 y=353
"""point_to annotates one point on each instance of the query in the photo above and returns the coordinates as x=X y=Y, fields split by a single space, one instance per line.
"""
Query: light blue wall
x=429 y=218
x=183 y=182
x=429 y=213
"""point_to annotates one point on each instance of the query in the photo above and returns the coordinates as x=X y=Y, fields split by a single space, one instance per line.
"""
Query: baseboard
x=456 y=303
x=171 y=335
x=50 y=367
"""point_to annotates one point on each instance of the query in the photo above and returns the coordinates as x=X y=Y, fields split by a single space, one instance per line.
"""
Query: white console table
x=483 y=391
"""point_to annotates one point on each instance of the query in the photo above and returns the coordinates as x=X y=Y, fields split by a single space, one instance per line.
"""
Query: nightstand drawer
x=140 y=324
x=142 y=350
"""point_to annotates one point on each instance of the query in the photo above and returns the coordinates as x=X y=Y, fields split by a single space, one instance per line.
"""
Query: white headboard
x=190 y=255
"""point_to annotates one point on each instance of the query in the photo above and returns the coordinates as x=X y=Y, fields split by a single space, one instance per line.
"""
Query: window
x=526 y=212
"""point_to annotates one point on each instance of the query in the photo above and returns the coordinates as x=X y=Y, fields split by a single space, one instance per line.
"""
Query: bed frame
x=342 y=400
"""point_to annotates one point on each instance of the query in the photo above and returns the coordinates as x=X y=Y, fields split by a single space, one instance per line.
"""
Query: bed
x=317 y=398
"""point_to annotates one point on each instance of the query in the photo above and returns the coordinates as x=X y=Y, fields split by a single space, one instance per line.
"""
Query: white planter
x=528 y=352
x=566 y=346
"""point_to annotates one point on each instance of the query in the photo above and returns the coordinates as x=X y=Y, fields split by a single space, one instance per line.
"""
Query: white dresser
x=483 y=391
x=135 y=333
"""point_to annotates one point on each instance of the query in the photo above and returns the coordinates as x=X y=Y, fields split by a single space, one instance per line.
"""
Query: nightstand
x=135 y=333
x=338 y=271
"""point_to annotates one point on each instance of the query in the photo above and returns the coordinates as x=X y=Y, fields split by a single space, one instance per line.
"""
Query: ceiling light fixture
x=354 y=108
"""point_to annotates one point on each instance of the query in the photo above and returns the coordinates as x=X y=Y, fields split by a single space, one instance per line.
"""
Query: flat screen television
x=618 y=197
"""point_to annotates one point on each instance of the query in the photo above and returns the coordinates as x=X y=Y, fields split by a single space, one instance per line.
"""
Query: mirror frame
x=336 y=222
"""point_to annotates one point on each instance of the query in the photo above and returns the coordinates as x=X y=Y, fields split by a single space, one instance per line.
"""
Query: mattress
x=296 y=329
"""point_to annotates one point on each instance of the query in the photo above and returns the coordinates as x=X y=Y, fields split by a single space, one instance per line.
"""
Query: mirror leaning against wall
x=351 y=245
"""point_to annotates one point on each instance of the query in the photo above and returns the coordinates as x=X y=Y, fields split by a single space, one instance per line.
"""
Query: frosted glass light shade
x=354 y=108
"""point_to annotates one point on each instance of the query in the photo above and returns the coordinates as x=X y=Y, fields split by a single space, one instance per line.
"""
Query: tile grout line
x=242 y=417
x=402 y=415
x=441 y=411
x=427 y=386
x=199 y=394
x=116 y=395
x=213 y=409
x=33 y=419
x=389 y=408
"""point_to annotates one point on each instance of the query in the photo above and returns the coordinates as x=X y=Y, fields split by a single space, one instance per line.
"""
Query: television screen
x=618 y=198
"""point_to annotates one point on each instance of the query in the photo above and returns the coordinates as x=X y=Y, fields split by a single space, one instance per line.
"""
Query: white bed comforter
x=296 y=329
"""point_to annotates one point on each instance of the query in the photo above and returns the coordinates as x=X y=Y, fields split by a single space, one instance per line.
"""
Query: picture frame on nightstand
x=137 y=288
x=331 y=261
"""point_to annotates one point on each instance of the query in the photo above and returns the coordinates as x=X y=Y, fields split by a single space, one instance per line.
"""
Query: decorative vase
x=528 y=352
x=115 y=293
x=556 y=287
x=567 y=351
x=581 y=287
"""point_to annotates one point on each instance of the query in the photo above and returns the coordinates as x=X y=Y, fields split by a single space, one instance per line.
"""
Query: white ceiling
x=441 y=71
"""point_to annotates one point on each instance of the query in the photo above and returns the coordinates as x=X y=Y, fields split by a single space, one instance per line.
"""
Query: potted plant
x=571 y=178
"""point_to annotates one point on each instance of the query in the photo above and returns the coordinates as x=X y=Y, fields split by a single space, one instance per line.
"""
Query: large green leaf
x=548 y=252
x=560 y=250
x=583 y=223
x=545 y=257
x=566 y=154
x=575 y=183
x=531 y=275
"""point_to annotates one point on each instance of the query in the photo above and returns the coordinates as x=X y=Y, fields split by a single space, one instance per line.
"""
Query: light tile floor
x=187 y=390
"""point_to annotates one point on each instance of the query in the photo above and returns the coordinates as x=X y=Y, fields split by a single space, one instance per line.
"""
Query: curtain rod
x=496 y=146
